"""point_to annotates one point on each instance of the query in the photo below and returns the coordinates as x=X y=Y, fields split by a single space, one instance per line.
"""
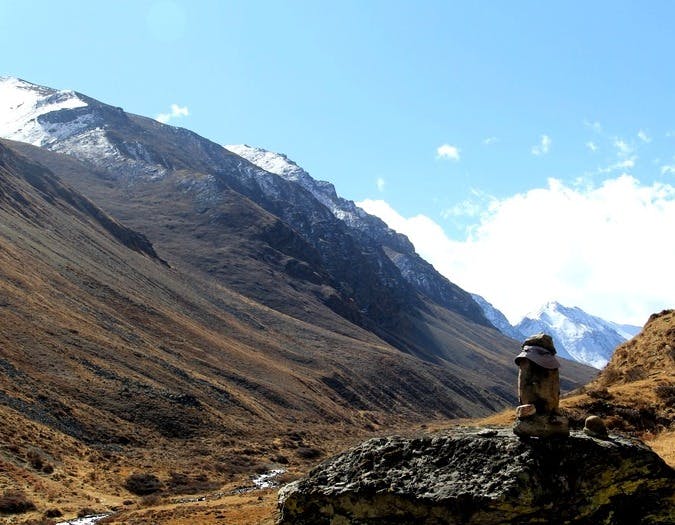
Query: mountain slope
x=416 y=271
x=114 y=362
x=76 y=288
x=213 y=213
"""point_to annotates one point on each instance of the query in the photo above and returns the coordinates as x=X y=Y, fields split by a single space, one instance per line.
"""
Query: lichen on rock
x=474 y=477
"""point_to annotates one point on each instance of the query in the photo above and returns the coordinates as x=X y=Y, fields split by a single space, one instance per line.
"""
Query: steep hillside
x=210 y=317
x=421 y=275
x=102 y=344
x=210 y=212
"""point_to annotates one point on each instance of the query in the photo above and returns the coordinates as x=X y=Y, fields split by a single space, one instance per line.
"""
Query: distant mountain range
x=577 y=335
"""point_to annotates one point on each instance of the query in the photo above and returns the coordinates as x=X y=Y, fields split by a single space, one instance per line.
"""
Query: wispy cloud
x=589 y=229
x=380 y=183
x=594 y=126
x=668 y=169
x=176 y=112
x=447 y=151
x=467 y=208
x=621 y=165
x=622 y=147
x=642 y=135
x=543 y=147
x=488 y=141
x=592 y=146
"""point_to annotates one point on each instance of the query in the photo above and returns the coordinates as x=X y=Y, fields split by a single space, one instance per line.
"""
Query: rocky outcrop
x=485 y=476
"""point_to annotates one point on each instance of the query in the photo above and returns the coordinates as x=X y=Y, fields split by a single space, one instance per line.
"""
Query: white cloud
x=668 y=169
x=643 y=136
x=380 y=183
x=543 y=147
x=592 y=146
x=447 y=151
x=176 y=112
x=600 y=248
x=490 y=140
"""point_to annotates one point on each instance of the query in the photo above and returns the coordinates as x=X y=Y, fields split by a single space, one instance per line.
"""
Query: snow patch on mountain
x=323 y=191
x=23 y=105
x=69 y=123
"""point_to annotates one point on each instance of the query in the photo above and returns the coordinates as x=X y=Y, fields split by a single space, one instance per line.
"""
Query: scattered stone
x=595 y=427
x=465 y=478
x=525 y=411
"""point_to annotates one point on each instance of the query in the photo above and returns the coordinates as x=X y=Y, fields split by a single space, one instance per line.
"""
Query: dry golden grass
x=664 y=445
x=253 y=508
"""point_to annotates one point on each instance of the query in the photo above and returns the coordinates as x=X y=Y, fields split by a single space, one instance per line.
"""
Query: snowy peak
x=276 y=163
x=323 y=191
x=577 y=334
x=23 y=106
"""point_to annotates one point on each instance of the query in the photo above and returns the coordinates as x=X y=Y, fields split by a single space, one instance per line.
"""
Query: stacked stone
x=539 y=390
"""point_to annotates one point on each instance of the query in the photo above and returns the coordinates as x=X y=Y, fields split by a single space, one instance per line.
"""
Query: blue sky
x=450 y=120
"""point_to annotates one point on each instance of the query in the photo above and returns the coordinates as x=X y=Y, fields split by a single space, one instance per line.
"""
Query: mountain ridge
x=415 y=270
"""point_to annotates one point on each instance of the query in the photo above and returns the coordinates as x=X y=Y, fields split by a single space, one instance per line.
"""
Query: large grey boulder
x=485 y=476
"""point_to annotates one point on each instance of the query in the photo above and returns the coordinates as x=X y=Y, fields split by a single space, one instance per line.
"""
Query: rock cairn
x=539 y=390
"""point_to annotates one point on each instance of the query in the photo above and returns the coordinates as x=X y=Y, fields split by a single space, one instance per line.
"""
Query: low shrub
x=666 y=393
x=600 y=393
x=53 y=513
x=181 y=483
x=86 y=511
x=309 y=452
x=15 y=502
x=143 y=484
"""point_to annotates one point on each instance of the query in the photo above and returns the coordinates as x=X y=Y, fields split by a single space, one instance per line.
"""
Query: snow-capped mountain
x=72 y=123
x=577 y=335
x=24 y=106
x=375 y=269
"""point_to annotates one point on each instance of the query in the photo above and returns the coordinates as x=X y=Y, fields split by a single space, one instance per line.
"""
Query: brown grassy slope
x=227 y=240
x=636 y=390
x=112 y=362
x=638 y=379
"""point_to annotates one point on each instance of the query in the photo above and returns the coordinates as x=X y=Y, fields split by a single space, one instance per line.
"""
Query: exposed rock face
x=488 y=476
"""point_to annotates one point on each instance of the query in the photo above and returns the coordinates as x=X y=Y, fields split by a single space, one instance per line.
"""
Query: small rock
x=595 y=427
x=525 y=411
x=542 y=426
